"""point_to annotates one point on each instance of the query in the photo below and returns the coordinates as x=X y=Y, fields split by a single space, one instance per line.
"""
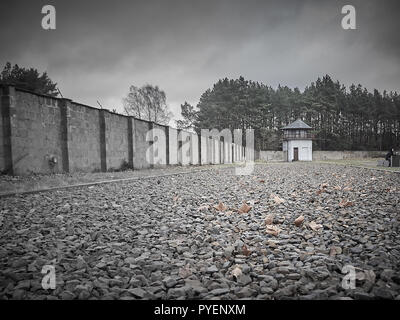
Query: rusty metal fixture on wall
x=52 y=161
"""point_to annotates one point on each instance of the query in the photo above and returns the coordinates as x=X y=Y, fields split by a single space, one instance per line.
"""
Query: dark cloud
x=101 y=47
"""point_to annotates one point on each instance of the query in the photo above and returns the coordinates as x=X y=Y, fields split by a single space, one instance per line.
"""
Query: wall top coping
x=80 y=104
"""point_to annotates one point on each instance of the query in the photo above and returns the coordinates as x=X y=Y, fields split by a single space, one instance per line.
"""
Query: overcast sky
x=100 y=48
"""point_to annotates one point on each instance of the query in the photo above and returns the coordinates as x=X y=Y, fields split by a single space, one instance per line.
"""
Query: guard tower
x=297 y=141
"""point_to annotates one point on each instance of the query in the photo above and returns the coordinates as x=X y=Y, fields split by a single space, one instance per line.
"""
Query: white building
x=297 y=142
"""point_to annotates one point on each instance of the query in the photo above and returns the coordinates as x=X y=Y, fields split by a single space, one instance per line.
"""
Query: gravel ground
x=190 y=236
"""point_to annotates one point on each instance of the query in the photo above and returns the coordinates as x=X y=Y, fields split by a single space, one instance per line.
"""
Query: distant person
x=389 y=155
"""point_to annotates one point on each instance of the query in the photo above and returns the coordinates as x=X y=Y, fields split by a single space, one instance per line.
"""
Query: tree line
x=342 y=118
x=29 y=79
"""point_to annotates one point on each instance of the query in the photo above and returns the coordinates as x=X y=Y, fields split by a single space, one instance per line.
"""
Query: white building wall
x=305 y=149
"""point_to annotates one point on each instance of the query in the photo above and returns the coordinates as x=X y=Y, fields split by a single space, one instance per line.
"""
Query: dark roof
x=298 y=124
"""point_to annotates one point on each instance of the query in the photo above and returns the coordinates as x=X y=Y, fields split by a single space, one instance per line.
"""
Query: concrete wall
x=173 y=146
x=159 y=152
x=194 y=149
x=270 y=155
x=116 y=136
x=35 y=123
x=321 y=155
x=83 y=138
x=341 y=155
x=185 y=154
x=42 y=134
x=141 y=145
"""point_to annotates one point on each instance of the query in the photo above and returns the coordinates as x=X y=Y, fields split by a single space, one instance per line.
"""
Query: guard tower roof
x=298 y=124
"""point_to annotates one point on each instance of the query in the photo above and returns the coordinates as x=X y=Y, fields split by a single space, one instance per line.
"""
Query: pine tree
x=28 y=79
